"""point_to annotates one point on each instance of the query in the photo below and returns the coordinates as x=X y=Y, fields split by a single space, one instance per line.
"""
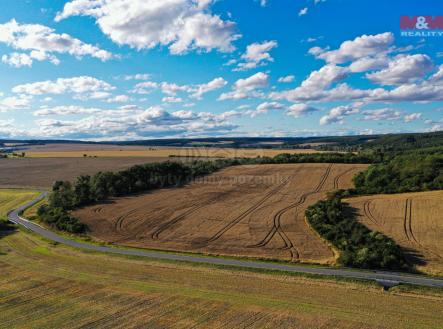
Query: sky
x=144 y=69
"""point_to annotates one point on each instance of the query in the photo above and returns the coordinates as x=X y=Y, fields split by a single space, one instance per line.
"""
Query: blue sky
x=140 y=69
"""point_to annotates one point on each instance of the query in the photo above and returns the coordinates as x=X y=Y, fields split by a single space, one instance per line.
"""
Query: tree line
x=412 y=171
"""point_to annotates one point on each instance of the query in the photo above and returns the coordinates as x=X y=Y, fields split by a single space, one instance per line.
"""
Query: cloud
x=136 y=124
x=337 y=114
x=313 y=87
x=138 y=76
x=65 y=110
x=413 y=117
x=21 y=59
x=298 y=110
x=183 y=25
x=286 y=79
x=258 y=80
x=351 y=50
x=118 y=99
x=263 y=3
x=42 y=42
x=76 y=85
x=303 y=11
x=402 y=70
x=245 y=88
x=265 y=107
x=171 y=89
x=369 y=63
x=384 y=114
x=15 y=103
x=257 y=54
x=202 y=89
x=172 y=99
x=438 y=76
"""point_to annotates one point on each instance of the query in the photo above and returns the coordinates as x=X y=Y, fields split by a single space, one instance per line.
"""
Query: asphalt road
x=386 y=279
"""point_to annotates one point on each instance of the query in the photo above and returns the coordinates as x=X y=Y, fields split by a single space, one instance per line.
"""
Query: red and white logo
x=421 y=26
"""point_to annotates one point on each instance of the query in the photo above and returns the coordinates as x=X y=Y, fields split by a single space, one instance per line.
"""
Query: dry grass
x=413 y=220
x=11 y=199
x=252 y=211
x=46 y=286
x=159 y=152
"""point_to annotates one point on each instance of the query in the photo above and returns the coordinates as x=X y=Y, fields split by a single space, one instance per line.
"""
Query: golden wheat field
x=413 y=220
x=51 y=286
x=115 y=151
x=252 y=211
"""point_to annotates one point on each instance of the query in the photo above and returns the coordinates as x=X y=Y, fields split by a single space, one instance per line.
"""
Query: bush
x=58 y=218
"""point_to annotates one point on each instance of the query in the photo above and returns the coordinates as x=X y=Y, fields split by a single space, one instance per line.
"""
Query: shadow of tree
x=4 y=232
x=413 y=256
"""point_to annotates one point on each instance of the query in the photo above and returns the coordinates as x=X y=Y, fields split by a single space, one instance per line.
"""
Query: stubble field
x=413 y=220
x=47 y=286
x=43 y=172
x=253 y=211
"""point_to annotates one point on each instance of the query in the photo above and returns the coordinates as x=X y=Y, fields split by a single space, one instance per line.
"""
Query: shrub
x=359 y=246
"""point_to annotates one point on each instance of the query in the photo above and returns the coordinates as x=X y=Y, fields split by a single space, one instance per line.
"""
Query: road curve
x=384 y=278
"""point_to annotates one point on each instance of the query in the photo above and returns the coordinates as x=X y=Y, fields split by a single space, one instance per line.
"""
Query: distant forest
x=390 y=142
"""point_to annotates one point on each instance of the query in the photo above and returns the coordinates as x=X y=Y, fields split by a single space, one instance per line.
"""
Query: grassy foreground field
x=413 y=220
x=47 y=286
x=11 y=199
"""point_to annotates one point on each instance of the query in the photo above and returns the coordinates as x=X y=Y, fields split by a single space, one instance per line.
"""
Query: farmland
x=48 y=286
x=413 y=220
x=78 y=151
x=26 y=172
x=11 y=199
x=253 y=211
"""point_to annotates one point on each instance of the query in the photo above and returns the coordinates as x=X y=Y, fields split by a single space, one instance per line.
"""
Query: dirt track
x=255 y=211
x=413 y=220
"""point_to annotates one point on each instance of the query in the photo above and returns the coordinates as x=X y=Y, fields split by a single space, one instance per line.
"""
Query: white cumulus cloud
x=183 y=25
x=42 y=43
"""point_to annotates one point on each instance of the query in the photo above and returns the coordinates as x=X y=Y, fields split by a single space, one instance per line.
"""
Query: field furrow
x=252 y=211
x=413 y=220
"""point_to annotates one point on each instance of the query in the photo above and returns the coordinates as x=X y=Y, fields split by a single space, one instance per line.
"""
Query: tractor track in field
x=249 y=211
x=277 y=227
x=407 y=227
x=179 y=218
x=339 y=176
x=407 y=221
x=368 y=212
x=118 y=225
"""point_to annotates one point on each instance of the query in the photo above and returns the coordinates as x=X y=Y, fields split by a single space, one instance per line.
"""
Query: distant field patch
x=155 y=152
x=413 y=220
x=43 y=172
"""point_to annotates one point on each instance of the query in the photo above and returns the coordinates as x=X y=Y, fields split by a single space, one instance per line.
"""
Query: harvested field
x=91 y=150
x=47 y=286
x=413 y=220
x=253 y=211
x=22 y=172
